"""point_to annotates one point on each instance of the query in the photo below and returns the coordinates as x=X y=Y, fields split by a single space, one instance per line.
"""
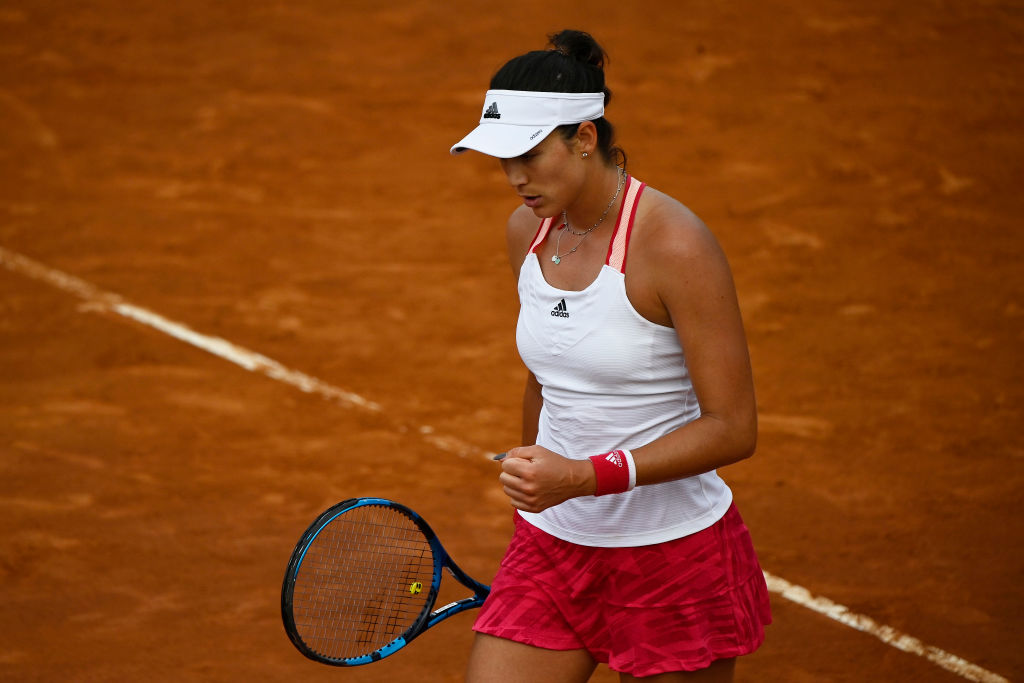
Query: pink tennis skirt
x=646 y=610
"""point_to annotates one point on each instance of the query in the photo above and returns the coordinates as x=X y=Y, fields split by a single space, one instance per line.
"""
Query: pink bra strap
x=542 y=232
x=620 y=240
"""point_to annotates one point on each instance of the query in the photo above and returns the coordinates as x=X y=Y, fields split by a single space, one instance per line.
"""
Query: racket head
x=361 y=582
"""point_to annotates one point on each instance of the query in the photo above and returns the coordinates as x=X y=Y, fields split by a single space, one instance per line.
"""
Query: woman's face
x=547 y=178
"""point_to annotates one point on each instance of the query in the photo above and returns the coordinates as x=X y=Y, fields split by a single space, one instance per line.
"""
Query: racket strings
x=364 y=580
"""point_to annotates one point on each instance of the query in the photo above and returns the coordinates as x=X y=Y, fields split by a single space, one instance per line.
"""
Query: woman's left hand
x=535 y=478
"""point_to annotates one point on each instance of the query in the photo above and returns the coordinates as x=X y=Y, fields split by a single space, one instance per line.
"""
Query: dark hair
x=573 y=63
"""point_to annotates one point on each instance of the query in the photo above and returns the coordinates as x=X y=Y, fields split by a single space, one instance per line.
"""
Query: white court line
x=887 y=634
x=254 y=362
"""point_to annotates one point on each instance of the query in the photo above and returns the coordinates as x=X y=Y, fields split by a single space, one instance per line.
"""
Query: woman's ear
x=586 y=139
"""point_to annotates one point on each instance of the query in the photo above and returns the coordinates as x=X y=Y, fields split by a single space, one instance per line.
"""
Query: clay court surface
x=277 y=175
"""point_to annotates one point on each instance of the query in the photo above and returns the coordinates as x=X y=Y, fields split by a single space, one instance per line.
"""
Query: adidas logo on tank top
x=560 y=311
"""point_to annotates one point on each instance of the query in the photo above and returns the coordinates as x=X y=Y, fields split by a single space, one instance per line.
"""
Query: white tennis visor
x=515 y=121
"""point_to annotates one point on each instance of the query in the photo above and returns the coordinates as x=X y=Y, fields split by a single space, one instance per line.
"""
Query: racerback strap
x=620 y=238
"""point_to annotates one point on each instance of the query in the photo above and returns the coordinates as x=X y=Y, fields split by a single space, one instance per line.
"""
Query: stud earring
x=586 y=154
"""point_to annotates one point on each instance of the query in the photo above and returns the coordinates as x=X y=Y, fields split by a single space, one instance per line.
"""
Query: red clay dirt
x=277 y=174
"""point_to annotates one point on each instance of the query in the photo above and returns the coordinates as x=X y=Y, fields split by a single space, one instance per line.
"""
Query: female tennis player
x=627 y=548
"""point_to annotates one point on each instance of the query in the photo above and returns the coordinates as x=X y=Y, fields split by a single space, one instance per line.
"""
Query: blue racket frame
x=428 y=618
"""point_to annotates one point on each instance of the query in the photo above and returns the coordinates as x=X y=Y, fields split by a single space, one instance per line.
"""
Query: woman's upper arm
x=695 y=285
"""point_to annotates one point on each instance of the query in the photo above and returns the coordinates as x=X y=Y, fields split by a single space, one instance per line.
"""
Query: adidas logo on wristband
x=614 y=472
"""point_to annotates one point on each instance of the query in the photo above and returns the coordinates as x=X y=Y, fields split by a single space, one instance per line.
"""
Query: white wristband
x=632 y=469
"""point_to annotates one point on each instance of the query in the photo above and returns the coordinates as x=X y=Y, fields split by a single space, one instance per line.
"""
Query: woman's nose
x=514 y=172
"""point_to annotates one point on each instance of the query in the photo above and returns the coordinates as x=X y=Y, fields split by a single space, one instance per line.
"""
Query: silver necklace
x=565 y=227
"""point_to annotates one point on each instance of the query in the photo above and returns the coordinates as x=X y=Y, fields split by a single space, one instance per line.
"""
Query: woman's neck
x=599 y=199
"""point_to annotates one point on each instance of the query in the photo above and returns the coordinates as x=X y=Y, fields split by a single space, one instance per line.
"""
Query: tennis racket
x=362 y=582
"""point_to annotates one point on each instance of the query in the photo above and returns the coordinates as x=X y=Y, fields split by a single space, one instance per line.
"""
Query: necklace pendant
x=555 y=259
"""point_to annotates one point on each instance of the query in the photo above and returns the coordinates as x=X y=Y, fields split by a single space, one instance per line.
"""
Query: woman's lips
x=531 y=200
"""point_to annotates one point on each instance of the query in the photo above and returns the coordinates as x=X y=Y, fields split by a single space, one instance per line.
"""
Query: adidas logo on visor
x=492 y=111
x=560 y=311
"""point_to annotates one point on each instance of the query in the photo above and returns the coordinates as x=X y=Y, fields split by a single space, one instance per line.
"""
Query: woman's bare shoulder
x=668 y=226
x=521 y=229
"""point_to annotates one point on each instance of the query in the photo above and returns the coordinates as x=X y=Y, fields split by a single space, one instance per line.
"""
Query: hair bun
x=580 y=46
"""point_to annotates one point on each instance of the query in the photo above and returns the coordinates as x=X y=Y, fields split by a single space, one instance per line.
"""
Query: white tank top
x=610 y=379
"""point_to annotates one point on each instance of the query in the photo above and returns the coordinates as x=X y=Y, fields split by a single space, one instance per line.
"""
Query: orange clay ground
x=277 y=174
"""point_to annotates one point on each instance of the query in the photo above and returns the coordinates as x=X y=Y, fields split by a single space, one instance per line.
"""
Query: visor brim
x=503 y=141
